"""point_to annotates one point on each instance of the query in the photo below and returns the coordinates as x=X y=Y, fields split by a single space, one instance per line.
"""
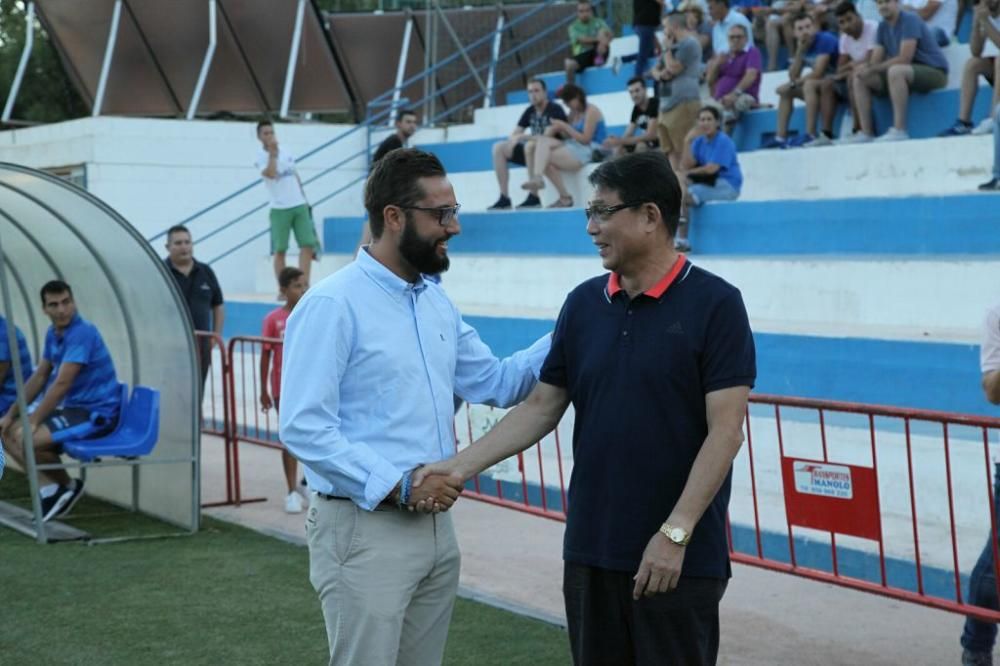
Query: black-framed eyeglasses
x=445 y=214
x=604 y=213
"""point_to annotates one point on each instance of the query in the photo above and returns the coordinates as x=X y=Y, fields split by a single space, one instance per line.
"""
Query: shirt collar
x=72 y=322
x=658 y=289
x=383 y=277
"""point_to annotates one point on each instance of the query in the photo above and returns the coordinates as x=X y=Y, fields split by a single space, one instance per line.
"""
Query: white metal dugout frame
x=51 y=229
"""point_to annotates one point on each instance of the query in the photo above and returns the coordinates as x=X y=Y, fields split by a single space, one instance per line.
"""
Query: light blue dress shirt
x=371 y=364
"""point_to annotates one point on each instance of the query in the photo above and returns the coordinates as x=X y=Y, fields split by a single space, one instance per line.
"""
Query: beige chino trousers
x=386 y=580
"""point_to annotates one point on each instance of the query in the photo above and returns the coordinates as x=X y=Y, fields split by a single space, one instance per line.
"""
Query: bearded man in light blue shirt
x=373 y=356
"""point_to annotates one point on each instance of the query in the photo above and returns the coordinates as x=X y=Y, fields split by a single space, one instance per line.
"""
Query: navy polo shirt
x=201 y=292
x=637 y=372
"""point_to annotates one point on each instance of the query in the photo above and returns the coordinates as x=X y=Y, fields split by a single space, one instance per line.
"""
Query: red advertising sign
x=835 y=498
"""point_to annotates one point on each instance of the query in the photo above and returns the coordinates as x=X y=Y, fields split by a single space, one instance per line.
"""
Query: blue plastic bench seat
x=135 y=435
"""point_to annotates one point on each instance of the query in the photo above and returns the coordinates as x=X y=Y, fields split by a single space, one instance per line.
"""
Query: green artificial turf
x=226 y=595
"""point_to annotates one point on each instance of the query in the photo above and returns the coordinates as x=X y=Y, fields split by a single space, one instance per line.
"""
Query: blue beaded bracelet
x=405 y=488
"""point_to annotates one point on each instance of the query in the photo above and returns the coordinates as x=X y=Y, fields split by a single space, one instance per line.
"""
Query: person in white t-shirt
x=984 y=44
x=289 y=211
x=978 y=638
x=940 y=16
x=857 y=39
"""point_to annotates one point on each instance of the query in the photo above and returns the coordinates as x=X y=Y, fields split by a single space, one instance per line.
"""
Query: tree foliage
x=46 y=93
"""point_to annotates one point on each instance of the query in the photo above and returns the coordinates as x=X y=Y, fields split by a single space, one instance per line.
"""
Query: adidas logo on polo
x=675 y=329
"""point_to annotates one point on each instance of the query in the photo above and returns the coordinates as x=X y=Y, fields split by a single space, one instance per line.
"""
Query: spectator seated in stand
x=79 y=397
x=779 y=27
x=698 y=25
x=590 y=38
x=566 y=146
x=906 y=57
x=941 y=16
x=709 y=170
x=816 y=50
x=735 y=80
x=640 y=135
x=724 y=18
x=536 y=119
x=857 y=39
x=984 y=43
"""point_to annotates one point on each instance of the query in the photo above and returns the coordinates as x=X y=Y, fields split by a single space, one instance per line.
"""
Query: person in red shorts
x=292 y=283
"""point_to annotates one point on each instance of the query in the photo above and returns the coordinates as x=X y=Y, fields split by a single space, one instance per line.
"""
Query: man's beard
x=421 y=253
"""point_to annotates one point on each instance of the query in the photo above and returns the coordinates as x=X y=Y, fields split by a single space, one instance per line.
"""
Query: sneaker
x=893 y=134
x=531 y=201
x=856 y=137
x=800 y=140
x=960 y=128
x=984 y=127
x=821 y=140
x=775 y=142
x=62 y=502
x=293 y=503
x=503 y=203
x=992 y=186
x=970 y=658
x=682 y=245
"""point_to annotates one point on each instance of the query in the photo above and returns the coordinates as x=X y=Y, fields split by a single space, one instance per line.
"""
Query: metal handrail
x=373 y=119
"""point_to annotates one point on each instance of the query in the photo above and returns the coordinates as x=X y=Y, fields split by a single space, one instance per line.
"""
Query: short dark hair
x=177 y=229
x=801 y=16
x=393 y=181
x=636 y=79
x=714 y=110
x=570 y=92
x=55 y=287
x=405 y=112
x=288 y=275
x=644 y=177
x=845 y=7
x=539 y=81
x=720 y=2
x=264 y=123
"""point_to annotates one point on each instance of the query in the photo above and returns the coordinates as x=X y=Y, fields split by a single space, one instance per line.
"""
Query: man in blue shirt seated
x=657 y=358
x=80 y=397
x=817 y=50
x=373 y=356
x=8 y=389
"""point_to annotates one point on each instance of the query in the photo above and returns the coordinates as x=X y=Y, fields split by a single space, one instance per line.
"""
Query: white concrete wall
x=157 y=172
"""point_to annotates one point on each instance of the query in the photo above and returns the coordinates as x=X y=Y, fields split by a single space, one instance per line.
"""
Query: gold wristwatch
x=678 y=535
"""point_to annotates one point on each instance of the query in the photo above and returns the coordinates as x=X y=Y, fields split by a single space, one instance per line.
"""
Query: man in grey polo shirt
x=676 y=76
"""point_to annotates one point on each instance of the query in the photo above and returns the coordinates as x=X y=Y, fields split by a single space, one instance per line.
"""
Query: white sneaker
x=821 y=140
x=857 y=137
x=293 y=503
x=984 y=127
x=893 y=134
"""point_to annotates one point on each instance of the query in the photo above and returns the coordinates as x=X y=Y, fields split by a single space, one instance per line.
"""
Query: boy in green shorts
x=289 y=210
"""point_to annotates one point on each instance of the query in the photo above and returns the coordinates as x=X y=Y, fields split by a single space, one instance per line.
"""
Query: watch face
x=677 y=535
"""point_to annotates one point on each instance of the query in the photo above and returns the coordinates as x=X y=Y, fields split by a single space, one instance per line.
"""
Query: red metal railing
x=215 y=405
x=901 y=488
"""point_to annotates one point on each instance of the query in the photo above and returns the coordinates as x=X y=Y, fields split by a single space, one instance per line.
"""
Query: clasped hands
x=435 y=488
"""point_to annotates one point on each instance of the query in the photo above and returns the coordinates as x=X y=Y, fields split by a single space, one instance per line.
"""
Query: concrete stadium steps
x=904 y=168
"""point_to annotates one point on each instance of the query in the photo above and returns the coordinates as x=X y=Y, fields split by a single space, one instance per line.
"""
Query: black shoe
x=503 y=203
x=63 y=501
x=992 y=186
x=531 y=201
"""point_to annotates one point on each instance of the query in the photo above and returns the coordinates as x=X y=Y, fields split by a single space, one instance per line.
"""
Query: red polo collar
x=658 y=289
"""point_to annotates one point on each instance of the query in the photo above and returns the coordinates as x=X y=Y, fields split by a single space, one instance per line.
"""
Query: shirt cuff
x=380 y=483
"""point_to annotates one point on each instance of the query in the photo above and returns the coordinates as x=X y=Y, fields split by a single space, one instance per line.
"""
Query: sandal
x=562 y=202
x=533 y=184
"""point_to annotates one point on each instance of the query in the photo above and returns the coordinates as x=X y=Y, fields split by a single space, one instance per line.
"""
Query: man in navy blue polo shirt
x=658 y=360
x=82 y=399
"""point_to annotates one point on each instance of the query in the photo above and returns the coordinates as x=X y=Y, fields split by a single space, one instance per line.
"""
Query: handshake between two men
x=432 y=488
